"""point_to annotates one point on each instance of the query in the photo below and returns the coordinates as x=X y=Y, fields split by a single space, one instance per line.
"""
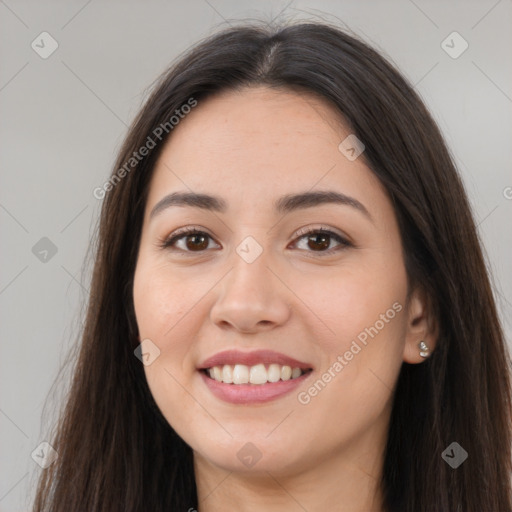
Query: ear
x=421 y=326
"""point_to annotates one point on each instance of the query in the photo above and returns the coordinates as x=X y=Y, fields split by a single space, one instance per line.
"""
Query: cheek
x=353 y=300
x=362 y=309
x=160 y=300
x=162 y=303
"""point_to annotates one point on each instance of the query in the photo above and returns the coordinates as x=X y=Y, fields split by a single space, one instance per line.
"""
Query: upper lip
x=251 y=359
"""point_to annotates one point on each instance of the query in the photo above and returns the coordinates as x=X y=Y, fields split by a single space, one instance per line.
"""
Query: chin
x=248 y=461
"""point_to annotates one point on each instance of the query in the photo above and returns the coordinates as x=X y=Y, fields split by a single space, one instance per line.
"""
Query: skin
x=250 y=147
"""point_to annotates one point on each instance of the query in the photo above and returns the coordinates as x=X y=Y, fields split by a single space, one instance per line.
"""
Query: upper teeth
x=258 y=374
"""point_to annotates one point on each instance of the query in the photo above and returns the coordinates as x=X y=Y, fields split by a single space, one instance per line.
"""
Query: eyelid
x=320 y=228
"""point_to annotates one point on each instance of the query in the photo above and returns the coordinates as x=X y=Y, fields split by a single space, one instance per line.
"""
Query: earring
x=424 y=350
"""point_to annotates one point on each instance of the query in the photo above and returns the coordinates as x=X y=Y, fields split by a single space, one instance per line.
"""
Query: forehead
x=239 y=124
x=258 y=143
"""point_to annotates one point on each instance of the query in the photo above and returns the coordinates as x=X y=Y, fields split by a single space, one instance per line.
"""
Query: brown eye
x=190 y=240
x=319 y=240
x=196 y=241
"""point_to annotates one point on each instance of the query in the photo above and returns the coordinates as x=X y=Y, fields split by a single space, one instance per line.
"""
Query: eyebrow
x=285 y=204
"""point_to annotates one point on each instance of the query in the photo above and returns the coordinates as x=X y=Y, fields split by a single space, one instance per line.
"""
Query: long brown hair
x=118 y=453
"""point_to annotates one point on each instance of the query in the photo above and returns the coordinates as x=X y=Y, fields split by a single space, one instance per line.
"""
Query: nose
x=251 y=297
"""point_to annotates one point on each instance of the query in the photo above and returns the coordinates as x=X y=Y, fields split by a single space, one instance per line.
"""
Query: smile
x=252 y=377
x=257 y=374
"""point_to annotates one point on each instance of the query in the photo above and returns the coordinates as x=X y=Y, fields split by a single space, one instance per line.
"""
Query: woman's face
x=253 y=297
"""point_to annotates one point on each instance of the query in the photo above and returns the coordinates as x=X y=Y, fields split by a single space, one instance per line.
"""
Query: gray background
x=64 y=117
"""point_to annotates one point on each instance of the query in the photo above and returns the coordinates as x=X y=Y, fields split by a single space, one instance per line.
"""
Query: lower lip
x=252 y=393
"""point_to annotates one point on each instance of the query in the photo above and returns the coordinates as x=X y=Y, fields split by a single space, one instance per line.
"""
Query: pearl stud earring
x=424 y=350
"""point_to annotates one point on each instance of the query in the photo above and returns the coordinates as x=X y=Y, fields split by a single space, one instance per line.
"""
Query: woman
x=290 y=309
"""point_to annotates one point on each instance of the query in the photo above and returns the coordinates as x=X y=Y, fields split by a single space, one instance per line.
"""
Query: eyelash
x=192 y=230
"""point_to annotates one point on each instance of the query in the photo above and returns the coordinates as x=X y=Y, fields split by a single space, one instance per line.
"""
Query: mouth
x=252 y=377
x=258 y=374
